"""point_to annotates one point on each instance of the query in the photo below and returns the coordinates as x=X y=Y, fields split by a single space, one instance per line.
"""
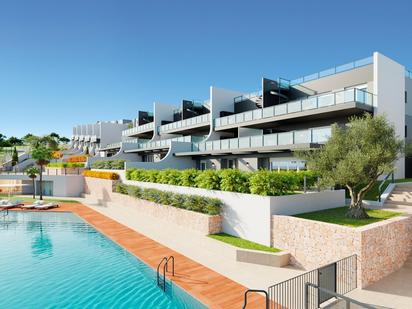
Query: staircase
x=400 y=197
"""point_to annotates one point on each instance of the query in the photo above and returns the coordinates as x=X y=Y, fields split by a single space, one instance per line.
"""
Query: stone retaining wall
x=101 y=191
x=382 y=247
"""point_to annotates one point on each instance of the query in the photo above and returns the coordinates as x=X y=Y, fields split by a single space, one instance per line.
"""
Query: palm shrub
x=234 y=180
x=208 y=179
x=42 y=154
x=32 y=173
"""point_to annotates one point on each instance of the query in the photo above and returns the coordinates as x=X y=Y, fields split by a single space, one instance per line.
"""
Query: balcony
x=314 y=103
x=81 y=138
x=139 y=129
x=334 y=70
x=165 y=143
x=276 y=142
x=93 y=138
x=87 y=138
x=250 y=96
x=194 y=122
x=408 y=74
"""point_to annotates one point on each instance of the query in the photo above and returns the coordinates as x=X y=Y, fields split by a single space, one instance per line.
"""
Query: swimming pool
x=57 y=260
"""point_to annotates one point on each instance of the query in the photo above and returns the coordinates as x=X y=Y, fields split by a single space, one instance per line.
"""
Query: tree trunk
x=34 y=188
x=356 y=210
x=41 y=182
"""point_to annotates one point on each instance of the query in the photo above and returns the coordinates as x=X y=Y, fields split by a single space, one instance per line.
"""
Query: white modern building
x=263 y=128
x=91 y=137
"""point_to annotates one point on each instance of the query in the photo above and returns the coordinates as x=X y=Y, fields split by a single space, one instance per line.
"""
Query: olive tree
x=355 y=156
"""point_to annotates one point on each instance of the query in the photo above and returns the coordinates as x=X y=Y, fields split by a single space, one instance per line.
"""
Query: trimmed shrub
x=169 y=176
x=188 y=177
x=262 y=182
x=208 y=179
x=65 y=165
x=265 y=182
x=234 y=180
x=210 y=206
x=102 y=175
x=109 y=164
x=76 y=159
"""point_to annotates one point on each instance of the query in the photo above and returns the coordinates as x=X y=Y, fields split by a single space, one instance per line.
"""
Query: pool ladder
x=161 y=280
x=4 y=212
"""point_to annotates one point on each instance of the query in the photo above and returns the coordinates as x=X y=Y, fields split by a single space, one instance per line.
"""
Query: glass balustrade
x=248 y=96
x=145 y=127
x=408 y=74
x=202 y=119
x=167 y=142
x=310 y=103
x=315 y=135
x=332 y=71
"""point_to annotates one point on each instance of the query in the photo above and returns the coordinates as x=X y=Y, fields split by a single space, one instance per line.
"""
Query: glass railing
x=87 y=138
x=408 y=74
x=248 y=96
x=315 y=135
x=114 y=145
x=198 y=120
x=166 y=142
x=309 y=103
x=93 y=138
x=144 y=127
x=334 y=70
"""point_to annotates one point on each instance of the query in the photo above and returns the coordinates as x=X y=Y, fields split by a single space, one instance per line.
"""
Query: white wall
x=249 y=216
x=63 y=186
x=389 y=86
x=161 y=112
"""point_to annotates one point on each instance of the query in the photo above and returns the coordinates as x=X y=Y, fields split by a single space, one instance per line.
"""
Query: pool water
x=56 y=260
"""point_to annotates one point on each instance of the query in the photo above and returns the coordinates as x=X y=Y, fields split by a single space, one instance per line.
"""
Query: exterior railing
x=408 y=74
x=167 y=142
x=248 y=96
x=310 y=103
x=93 y=138
x=334 y=70
x=315 y=135
x=145 y=127
x=202 y=119
x=87 y=138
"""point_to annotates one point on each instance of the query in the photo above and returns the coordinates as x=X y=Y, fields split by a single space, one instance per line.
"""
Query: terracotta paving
x=208 y=286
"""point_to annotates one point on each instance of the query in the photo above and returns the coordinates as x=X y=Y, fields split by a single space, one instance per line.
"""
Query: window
x=202 y=165
x=406 y=97
x=406 y=131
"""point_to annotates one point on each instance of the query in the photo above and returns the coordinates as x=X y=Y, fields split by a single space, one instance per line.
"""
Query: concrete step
x=401 y=198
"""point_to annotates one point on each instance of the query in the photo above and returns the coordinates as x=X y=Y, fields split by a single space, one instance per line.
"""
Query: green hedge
x=206 y=205
x=108 y=164
x=66 y=164
x=262 y=182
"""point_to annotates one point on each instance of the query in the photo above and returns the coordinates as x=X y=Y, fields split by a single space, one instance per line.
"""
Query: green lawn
x=27 y=199
x=242 y=243
x=337 y=216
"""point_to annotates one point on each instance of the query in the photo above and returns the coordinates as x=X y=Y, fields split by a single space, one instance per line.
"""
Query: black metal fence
x=339 y=277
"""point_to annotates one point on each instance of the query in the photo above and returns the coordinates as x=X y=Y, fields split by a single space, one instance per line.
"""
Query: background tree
x=355 y=156
x=32 y=173
x=64 y=140
x=14 y=157
x=14 y=141
x=42 y=154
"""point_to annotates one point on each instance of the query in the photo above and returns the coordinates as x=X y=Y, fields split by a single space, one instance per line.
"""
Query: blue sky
x=69 y=62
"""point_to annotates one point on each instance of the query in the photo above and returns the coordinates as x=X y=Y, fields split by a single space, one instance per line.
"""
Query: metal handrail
x=256 y=291
x=5 y=212
x=347 y=300
x=383 y=182
x=161 y=282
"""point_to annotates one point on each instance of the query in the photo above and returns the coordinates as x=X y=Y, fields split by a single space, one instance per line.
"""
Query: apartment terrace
x=136 y=131
x=300 y=139
x=164 y=143
x=342 y=102
x=186 y=124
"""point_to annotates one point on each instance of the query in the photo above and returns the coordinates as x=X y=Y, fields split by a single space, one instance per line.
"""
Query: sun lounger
x=46 y=206
x=32 y=206
x=10 y=204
